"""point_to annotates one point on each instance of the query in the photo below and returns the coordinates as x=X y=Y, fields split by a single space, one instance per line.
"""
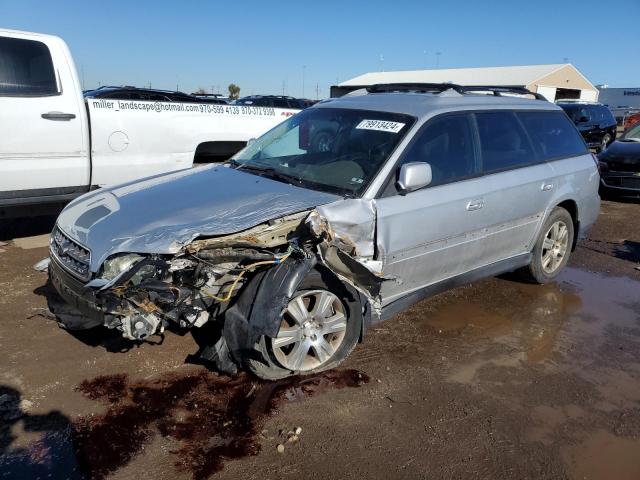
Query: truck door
x=44 y=140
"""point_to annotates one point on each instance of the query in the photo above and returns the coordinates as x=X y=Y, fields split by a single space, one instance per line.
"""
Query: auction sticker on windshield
x=380 y=125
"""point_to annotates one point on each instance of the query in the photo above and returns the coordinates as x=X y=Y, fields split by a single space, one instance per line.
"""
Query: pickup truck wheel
x=553 y=247
x=318 y=330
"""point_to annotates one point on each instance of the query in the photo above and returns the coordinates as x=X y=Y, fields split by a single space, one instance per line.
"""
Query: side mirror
x=250 y=141
x=413 y=176
x=583 y=119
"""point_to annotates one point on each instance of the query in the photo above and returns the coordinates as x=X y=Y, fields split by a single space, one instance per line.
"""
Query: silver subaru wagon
x=338 y=218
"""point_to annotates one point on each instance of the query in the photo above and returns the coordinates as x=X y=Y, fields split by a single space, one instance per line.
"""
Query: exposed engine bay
x=202 y=282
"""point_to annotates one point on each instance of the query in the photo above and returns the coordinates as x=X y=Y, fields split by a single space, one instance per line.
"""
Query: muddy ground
x=494 y=380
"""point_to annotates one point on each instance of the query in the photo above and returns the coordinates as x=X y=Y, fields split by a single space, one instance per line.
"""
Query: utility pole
x=283 y=88
x=317 y=92
x=381 y=62
x=438 y=59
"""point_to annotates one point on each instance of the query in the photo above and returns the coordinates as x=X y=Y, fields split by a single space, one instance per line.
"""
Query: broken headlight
x=115 y=266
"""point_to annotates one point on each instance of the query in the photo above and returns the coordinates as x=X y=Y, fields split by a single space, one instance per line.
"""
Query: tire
x=552 y=249
x=280 y=360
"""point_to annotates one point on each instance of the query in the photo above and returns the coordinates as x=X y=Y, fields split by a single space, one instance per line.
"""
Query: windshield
x=327 y=149
x=633 y=134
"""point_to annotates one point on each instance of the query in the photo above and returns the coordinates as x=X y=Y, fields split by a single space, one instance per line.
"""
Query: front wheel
x=553 y=247
x=319 y=328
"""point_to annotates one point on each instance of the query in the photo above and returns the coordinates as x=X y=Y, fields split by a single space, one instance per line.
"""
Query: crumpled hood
x=161 y=214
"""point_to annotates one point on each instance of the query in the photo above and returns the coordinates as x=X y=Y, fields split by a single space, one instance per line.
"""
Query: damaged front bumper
x=77 y=296
x=243 y=280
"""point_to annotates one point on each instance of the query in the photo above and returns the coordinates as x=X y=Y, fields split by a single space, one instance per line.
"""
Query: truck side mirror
x=413 y=176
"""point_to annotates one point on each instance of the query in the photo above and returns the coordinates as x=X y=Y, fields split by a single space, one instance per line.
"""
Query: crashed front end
x=141 y=295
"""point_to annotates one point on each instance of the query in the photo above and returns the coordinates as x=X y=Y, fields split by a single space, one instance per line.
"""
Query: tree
x=200 y=91
x=234 y=91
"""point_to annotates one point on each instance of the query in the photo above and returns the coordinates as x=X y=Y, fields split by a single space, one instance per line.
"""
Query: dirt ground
x=496 y=380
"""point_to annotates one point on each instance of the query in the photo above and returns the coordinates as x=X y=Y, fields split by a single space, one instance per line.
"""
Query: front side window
x=553 y=134
x=503 y=142
x=328 y=149
x=445 y=143
x=26 y=68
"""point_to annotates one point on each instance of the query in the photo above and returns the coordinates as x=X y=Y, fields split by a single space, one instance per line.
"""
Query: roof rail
x=441 y=87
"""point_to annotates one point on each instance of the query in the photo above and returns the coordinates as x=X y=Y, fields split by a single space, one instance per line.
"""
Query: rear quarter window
x=26 y=68
x=552 y=134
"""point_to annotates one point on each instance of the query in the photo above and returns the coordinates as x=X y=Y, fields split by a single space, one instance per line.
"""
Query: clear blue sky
x=262 y=45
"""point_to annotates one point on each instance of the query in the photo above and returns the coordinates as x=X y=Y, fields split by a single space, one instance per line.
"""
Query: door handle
x=475 y=205
x=58 y=116
x=545 y=187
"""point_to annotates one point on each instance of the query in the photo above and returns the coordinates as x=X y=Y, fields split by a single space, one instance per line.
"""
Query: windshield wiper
x=271 y=173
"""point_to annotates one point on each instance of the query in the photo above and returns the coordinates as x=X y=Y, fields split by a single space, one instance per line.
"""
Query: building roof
x=421 y=105
x=498 y=76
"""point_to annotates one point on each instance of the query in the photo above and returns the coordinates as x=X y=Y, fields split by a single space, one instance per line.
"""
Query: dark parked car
x=595 y=122
x=148 y=94
x=620 y=165
x=275 y=101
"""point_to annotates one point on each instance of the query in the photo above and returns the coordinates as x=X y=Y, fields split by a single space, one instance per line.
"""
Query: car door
x=588 y=125
x=434 y=233
x=518 y=183
x=44 y=141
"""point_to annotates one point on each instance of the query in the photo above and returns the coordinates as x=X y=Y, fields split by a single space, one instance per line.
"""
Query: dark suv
x=147 y=94
x=275 y=101
x=595 y=122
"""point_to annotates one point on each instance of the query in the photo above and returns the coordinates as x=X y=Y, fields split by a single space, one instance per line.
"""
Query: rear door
x=44 y=142
x=518 y=184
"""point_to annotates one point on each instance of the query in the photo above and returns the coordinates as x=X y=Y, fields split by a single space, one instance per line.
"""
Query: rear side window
x=503 y=142
x=26 y=68
x=446 y=143
x=553 y=134
x=606 y=115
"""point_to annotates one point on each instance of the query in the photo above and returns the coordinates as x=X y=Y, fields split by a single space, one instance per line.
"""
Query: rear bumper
x=81 y=299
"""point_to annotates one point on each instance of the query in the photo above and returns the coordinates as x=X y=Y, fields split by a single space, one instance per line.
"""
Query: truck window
x=26 y=68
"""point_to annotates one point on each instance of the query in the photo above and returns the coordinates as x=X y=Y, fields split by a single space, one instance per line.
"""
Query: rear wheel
x=553 y=247
x=318 y=330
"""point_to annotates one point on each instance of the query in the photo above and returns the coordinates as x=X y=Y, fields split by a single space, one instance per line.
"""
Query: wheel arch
x=571 y=206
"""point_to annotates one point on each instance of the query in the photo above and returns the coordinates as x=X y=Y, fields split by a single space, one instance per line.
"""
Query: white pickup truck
x=56 y=145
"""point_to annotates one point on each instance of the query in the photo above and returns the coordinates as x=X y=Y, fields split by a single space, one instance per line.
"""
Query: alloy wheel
x=313 y=327
x=554 y=246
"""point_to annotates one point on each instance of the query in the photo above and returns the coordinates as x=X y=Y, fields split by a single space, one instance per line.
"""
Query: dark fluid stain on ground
x=213 y=418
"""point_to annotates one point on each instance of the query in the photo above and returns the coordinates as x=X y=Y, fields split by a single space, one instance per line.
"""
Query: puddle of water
x=604 y=456
x=212 y=418
x=581 y=316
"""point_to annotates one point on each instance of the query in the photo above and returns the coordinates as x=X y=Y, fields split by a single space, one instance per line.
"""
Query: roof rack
x=441 y=87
